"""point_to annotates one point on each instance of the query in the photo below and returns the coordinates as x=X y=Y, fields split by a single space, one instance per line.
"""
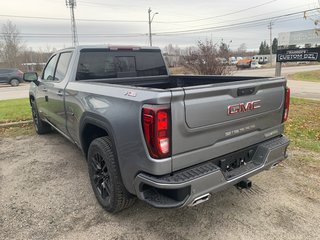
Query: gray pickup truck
x=169 y=140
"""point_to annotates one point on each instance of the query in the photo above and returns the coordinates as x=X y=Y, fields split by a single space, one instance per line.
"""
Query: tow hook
x=244 y=184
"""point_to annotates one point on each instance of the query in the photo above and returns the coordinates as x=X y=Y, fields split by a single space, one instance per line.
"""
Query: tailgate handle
x=245 y=91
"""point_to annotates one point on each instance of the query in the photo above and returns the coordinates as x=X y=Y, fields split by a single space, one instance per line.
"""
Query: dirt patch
x=45 y=194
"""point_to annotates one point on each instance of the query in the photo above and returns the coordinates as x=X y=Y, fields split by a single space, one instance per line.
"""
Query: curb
x=11 y=124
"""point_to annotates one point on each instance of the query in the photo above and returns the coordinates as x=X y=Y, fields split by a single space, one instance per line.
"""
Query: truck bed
x=173 y=81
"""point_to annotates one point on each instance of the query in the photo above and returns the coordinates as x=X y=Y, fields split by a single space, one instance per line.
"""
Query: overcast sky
x=130 y=18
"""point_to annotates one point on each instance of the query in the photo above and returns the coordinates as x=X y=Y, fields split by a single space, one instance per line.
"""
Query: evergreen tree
x=274 y=45
x=264 y=48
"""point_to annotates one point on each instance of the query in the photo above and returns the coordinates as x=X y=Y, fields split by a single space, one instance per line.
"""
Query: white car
x=255 y=65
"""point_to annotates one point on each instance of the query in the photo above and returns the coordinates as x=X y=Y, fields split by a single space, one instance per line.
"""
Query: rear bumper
x=181 y=188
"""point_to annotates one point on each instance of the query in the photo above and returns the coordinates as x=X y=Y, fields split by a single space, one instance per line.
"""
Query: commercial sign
x=299 y=38
x=298 y=55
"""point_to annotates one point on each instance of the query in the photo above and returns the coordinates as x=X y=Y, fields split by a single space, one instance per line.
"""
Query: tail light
x=286 y=105
x=156 y=129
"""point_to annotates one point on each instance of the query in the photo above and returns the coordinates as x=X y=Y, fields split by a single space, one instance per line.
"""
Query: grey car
x=12 y=76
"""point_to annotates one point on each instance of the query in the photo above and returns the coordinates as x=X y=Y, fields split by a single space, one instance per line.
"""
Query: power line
x=131 y=35
x=66 y=35
x=237 y=24
x=200 y=19
x=238 y=19
x=108 y=5
x=225 y=29
x=67 y=19
x=105 y=20
x=252 y=23
x=226 y=14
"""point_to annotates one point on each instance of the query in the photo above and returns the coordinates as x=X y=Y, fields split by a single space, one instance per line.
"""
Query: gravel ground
x=45 y=194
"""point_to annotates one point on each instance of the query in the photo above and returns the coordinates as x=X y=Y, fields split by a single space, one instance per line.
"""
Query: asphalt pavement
x=270 y=72
x=8 y=92
x=301 y=89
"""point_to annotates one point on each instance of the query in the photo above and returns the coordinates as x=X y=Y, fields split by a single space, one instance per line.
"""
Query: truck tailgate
x=210 y=121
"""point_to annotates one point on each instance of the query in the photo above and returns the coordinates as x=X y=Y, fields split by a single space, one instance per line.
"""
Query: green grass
x=15 y=110
x=303 y=125
x=311 y=76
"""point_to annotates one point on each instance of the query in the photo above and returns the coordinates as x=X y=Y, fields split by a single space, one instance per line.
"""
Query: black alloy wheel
x=101 y=177
x=40 y=126
x=105 y=176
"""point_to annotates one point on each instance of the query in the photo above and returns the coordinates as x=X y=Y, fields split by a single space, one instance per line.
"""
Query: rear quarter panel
x=120 y=115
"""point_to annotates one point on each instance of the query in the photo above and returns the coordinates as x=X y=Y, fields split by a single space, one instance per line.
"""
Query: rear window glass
x=99 y=64
x=125 y=64
x=7 y=70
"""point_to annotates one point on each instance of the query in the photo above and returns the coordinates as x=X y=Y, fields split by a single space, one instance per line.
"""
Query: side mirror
x=30 y=76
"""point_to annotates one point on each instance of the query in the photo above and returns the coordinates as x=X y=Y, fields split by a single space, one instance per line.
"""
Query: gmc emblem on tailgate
x=243 y=107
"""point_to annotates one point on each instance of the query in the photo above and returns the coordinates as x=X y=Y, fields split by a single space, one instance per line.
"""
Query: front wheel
x=40 y=126
x=14 y=82
x=105 y=176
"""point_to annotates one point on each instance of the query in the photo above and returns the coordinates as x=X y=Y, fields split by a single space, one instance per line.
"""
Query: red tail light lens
x=286 y=105
x=156 y=129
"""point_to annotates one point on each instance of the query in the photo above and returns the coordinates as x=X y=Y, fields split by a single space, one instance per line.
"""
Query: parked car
x=170 y=140
x=244 y=63
x=255 y=65
x=11 y=76
x=232 y=61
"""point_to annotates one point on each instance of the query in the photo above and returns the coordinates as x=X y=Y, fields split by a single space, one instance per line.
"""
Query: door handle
x=60 y=93
x=44 y=89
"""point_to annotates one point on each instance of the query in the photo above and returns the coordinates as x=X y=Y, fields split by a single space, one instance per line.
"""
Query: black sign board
x=298 y=55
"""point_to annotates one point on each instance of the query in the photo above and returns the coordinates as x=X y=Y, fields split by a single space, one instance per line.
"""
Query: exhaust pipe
x=274 y=165
x=200 y=199
x=244 y=184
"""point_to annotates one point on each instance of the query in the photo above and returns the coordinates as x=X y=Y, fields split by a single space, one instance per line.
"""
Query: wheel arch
x=93 y=126
x=17 y=78
x=14 y=78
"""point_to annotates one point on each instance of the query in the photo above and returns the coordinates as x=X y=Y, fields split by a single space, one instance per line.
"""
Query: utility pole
x=150 y=21
x=270 y=28
x=72 y=4
x=31 y=59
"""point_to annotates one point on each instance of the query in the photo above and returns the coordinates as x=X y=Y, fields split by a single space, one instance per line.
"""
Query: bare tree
x=10 y=44
x=207 y=59
x=316 y=21
x=172 y=55
x=242 y=48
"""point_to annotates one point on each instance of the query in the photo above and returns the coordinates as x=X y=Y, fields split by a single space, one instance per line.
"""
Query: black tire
x=40 y=126
x=105 y=176
x=14 y=82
